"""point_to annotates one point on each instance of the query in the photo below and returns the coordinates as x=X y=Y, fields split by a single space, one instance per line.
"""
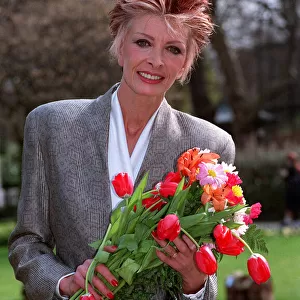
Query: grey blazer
x=65 y=197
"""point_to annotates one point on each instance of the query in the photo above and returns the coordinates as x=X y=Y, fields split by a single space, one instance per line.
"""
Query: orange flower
x=217 y=196
x=188 y=162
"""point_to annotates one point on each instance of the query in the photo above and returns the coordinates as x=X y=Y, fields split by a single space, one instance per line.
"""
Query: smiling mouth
x=148 y=76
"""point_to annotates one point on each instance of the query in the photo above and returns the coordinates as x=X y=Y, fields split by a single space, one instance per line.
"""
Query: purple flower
x=212 y=174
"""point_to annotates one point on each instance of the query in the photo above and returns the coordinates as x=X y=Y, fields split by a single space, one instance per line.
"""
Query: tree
x=51 y=50
x=245 y=93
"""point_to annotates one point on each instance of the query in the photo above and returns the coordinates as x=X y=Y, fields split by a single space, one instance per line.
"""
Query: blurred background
x=247 y=82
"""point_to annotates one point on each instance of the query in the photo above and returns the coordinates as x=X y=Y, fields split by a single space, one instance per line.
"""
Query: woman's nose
x=155 y=59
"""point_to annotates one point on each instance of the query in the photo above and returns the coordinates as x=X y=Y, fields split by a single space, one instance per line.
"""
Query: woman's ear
x=120 y=58
x=120 y=54
x=180 y=73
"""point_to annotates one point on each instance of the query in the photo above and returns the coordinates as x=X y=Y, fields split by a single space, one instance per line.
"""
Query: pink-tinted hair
x=191 y=15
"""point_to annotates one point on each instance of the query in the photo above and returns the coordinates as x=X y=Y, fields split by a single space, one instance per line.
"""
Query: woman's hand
x=182 y=261
x=71 y=284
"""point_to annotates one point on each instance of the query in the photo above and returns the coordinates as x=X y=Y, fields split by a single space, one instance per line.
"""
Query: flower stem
x=239 y=238
x=94 y=263
x=191 y=238
x=148 y=194
x=77 y=294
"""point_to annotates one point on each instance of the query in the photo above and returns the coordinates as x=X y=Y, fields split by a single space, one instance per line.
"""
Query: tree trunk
x=202 y=105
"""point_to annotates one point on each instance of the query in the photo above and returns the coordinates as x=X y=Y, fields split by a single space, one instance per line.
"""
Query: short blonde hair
x=192 y=15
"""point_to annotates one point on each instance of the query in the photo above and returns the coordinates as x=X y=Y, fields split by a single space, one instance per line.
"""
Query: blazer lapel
x=98 y=125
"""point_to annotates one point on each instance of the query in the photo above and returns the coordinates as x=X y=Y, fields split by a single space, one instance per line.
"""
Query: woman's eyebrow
x=152 y=38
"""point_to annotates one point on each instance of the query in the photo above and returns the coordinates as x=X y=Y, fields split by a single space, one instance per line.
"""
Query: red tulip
x=169 y=185
x=206 y=261
x=226 y=243
x=87 y=297
x=258 y=268
x=148 y=202
x=123 y=185
x=168 y=227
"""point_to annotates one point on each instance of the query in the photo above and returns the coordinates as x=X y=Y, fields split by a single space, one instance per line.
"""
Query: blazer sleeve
x=31 y=244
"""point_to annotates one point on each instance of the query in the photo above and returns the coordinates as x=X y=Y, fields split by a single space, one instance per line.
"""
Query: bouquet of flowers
x=204 y=200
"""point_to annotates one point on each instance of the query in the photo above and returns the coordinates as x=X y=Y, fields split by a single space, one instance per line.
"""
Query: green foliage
x=255 y=239
x=262 y=180
x=148 y=281
x=6 y=227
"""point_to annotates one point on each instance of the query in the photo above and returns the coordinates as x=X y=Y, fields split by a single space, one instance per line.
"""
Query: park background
x=246 y=81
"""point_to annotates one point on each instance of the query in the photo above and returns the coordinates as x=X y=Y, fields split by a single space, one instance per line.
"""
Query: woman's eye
x=174 y=50
x=142 y=43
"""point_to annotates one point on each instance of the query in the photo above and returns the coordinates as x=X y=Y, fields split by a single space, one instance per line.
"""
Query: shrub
x=260 y=170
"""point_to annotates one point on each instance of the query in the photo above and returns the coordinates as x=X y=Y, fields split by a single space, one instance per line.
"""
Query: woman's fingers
x=171 y=251
x=109 y=277
x=191 y=245
x=98 y=285
x=110 y=249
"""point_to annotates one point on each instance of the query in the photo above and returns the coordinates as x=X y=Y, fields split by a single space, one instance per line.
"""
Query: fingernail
x=114 y=282
x=110 y=295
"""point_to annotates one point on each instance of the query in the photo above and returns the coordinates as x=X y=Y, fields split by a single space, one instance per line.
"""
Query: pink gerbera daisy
x=212 y=174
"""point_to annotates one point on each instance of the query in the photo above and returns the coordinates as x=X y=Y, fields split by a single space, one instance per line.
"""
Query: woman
x=72 y=149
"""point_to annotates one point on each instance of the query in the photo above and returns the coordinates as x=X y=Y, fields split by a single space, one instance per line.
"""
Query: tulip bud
x=148 y=202
x=258 y=268
x=206 y=261
x=168 y=187
x=168 y=227
x=226 y=243
x=123 y=185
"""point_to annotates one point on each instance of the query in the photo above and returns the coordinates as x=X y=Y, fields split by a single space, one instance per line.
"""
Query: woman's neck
x=137 y=111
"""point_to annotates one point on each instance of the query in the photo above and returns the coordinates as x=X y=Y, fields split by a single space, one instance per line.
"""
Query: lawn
x=284 y=260
x=10 y=288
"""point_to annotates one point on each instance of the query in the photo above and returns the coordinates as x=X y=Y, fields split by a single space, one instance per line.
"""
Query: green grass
x=283 y=257
x=10 y=288
x=284 y=261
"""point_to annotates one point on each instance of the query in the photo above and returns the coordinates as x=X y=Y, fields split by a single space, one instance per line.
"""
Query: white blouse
x=119 y=159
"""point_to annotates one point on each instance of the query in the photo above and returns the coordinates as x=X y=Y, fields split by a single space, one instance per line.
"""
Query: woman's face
x=151 y=57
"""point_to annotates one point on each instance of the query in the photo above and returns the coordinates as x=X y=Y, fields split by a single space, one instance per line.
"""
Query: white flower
x=238 y=217
x=229 y=168
x=204 y=151
x=241 y=230
x=210 y=245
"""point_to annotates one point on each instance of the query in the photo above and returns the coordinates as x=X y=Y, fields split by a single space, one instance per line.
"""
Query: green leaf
x=224 y=214
x=178 y=200
x=232 y=224
x=128 y=270
x=132 y=224
x=101 y=257
x=117 y=212
x=148 y=258
x=254 y=237
x=189 y=221
x=121 y=225
x=179 y=187
x=136 y=198
x=145 y=245
x=141 y=232
x=128 y=241
x=202 y=229
x=159 y=214
x=96 y=244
